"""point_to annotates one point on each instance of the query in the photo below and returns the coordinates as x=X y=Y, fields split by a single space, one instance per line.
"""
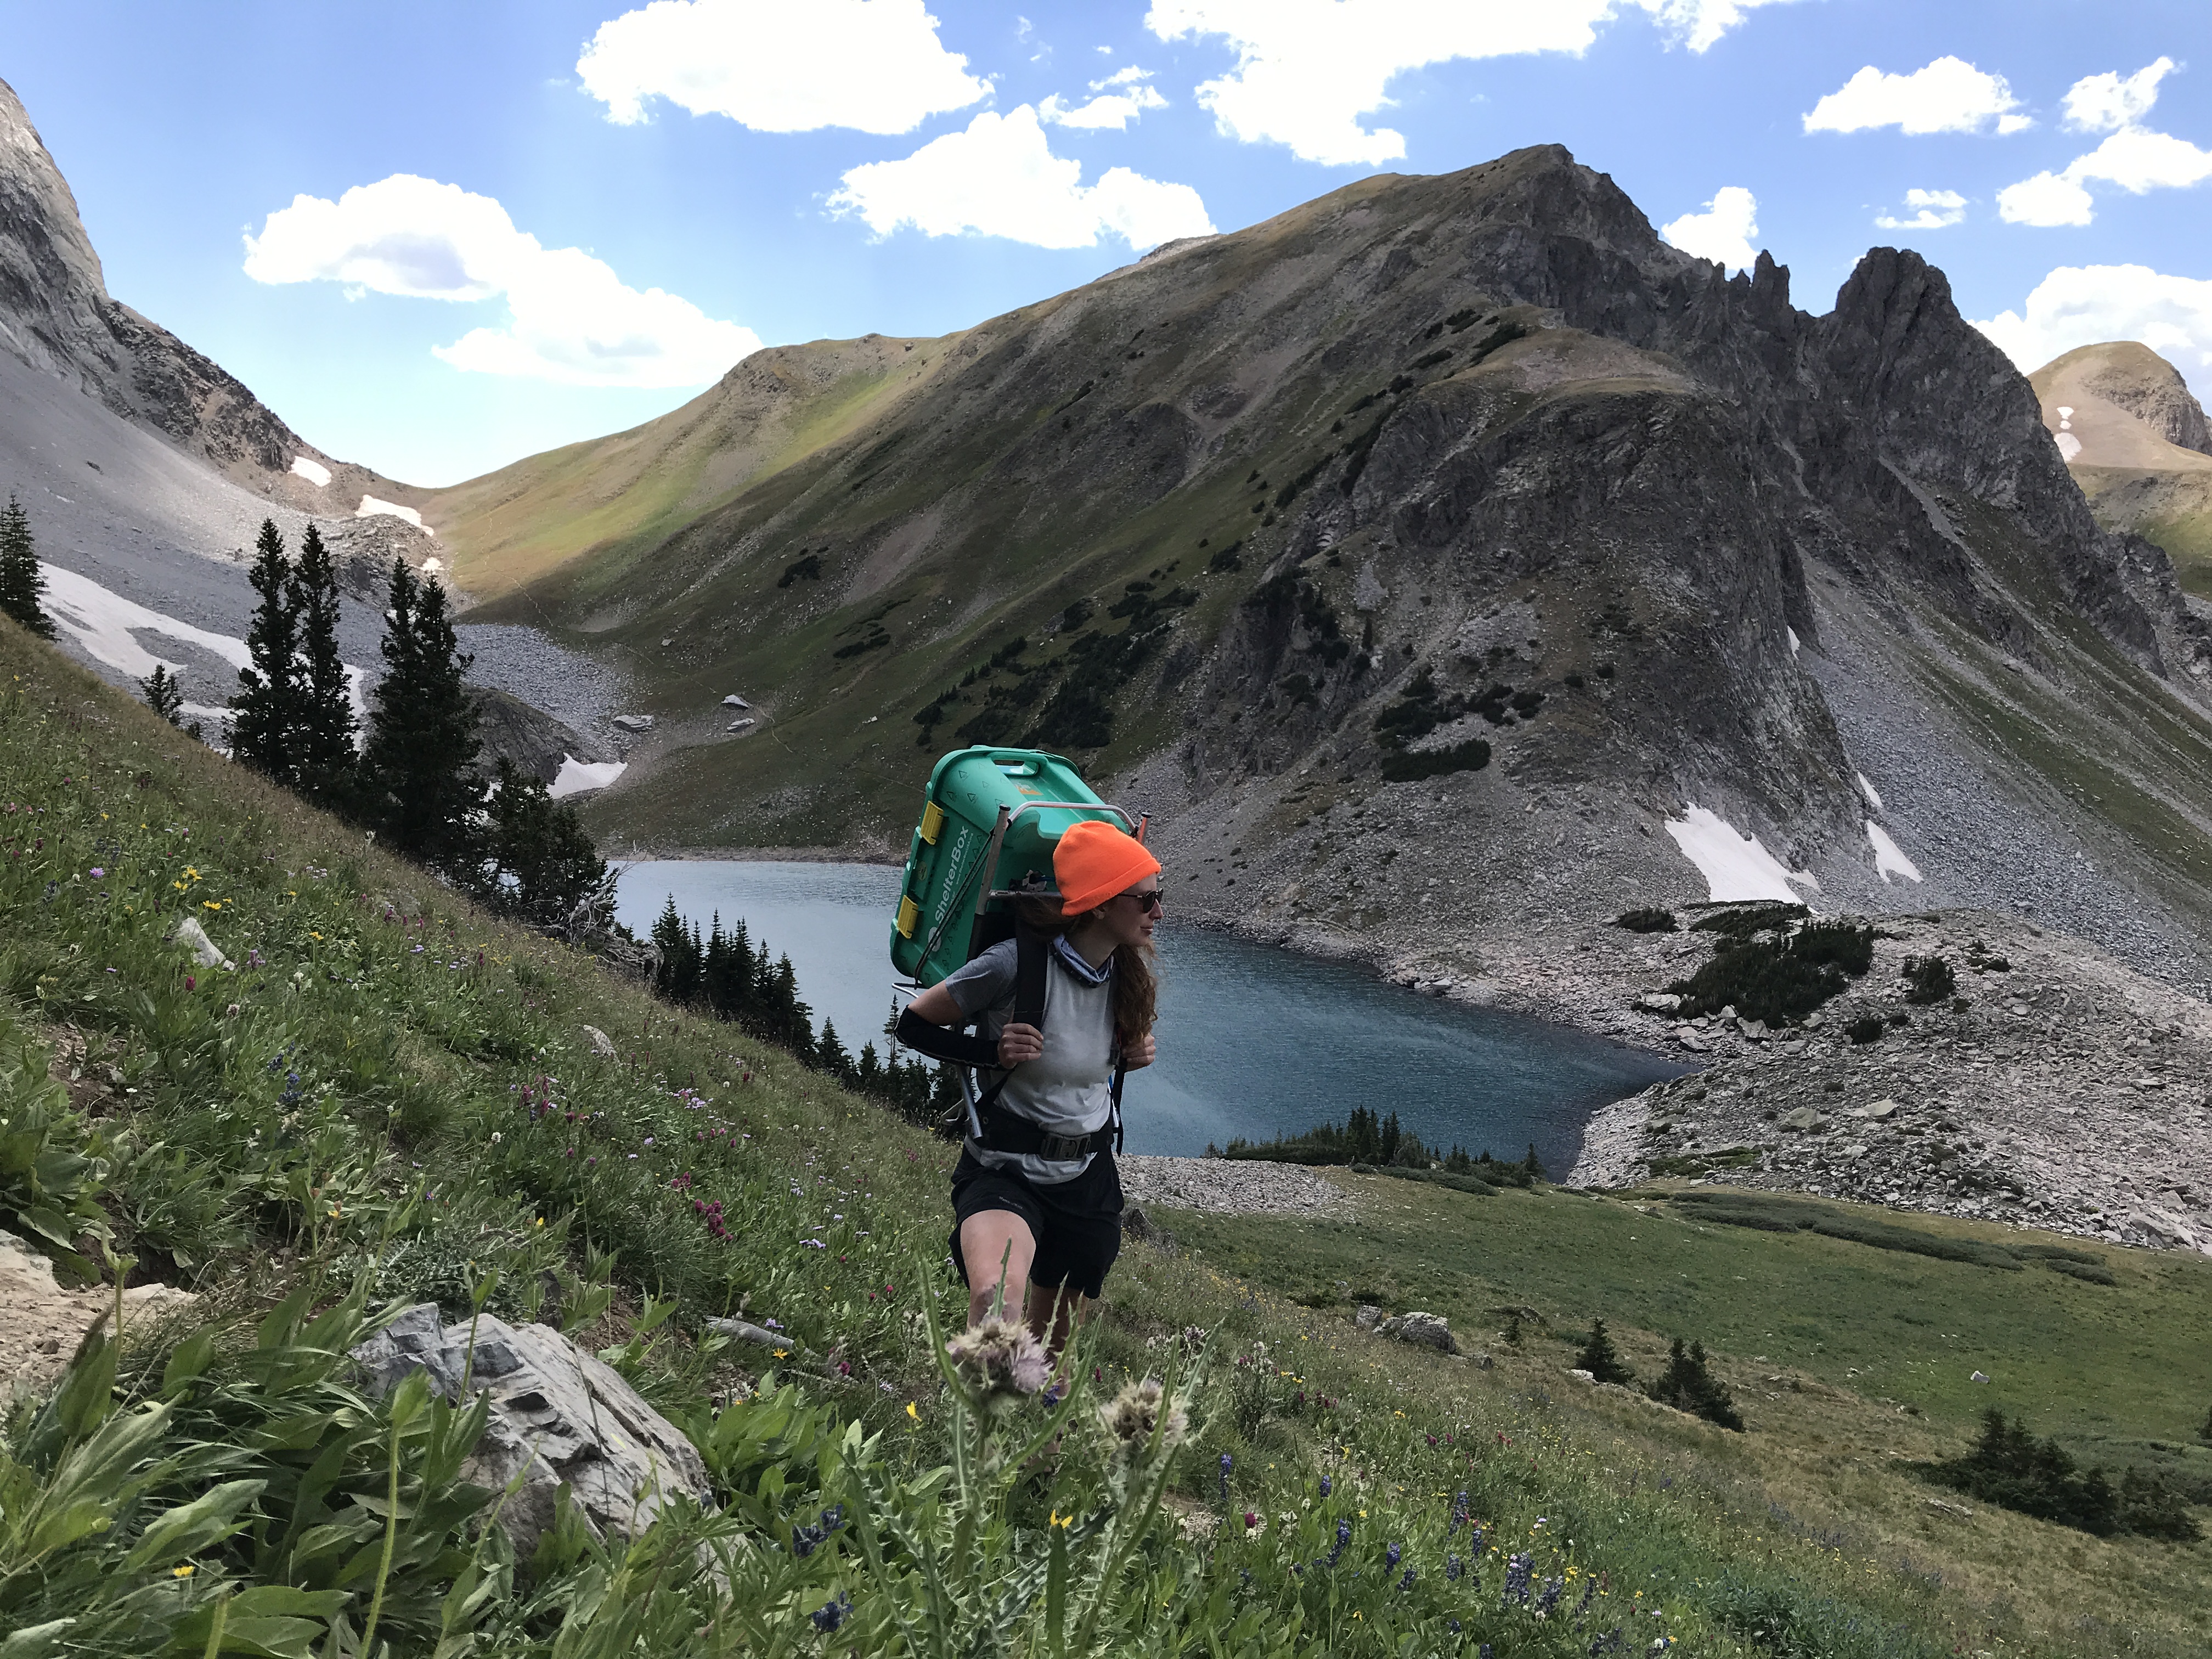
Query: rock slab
x=559 y=1417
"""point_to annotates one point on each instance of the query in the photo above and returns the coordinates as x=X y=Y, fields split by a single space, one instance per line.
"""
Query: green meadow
x=388 y=1096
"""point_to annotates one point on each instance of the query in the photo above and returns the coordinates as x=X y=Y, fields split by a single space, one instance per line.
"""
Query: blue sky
x=527 y=175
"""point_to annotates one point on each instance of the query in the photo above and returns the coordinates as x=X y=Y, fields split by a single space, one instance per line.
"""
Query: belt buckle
x=1056 y=1149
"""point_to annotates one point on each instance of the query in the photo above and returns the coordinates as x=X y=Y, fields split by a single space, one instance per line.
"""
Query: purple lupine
x=1518 y=1568
x=1459 y=1513
x=1390 y=1557
x=1407 y=1582
x=1453 y=1567
x=1324 y=1486
x=833 y=1612
x=1343 y=1539
x=1550 y=1598
x=1227 y=1463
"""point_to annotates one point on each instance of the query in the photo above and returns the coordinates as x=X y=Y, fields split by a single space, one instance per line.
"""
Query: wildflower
x=1251 y=1520
x=1000 y=1357
x=210 y=905
x=1390 y=1557
x=1453 y=1567
x=185 y=1572
x=1343 y=1539
x=833 y=1613
x=1518 y=1568
x=1458 y=1515
x=190 y=984
x=97 y=873
x=1407 y=1582
x=912 y=1413
x=1135 y=1414
x=1324 y=1486
x=1226 y=1462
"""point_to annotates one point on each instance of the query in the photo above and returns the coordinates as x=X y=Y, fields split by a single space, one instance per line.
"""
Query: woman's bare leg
x=997 y=1248
x=1053 y=1313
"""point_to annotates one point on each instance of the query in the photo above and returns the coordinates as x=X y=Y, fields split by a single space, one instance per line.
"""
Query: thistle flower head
x=1000 y=1356
x=1131 y=1415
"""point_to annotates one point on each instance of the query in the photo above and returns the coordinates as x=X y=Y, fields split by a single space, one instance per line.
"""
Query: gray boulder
x=1422 y=1330
x=559 y=1418
x=1368 y=1317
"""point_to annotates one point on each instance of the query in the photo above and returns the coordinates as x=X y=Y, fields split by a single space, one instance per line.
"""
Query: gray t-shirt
x=1068 y=1089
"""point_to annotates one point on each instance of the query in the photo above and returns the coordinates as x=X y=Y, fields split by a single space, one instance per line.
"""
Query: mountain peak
x=51 y=287
x=2128 y=407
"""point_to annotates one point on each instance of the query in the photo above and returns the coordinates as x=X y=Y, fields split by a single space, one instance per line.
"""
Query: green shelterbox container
x=971 y=791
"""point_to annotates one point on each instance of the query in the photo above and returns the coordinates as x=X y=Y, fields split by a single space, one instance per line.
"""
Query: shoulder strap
x=1031 y=951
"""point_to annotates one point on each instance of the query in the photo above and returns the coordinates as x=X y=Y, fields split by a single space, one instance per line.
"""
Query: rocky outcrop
x=559 y=1418
x=2055 y=1089
x=57 y=315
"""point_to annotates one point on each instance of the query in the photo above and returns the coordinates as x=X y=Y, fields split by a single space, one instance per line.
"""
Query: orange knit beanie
x=1096 y=861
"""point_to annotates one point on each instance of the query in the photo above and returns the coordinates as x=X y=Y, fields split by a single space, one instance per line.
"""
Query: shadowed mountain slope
x=1478 y=457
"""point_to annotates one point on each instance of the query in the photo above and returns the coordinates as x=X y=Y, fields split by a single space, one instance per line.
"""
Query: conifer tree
x=417 y=768
x=22 y=585
x=162 y=693
x=322 y=737
x=829 y=1054
x=265 y=714
x=1599 y=1358
x=540 y=862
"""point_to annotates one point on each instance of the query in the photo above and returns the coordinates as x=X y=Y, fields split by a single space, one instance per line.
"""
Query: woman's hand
x=1018 y=1042
x=1141 y=1053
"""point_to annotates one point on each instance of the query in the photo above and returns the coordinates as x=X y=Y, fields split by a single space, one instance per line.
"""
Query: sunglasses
x=1155 y=900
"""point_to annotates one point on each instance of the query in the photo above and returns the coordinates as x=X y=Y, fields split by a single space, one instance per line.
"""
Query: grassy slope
x=410 y=1047
x=620 y=495
x=2173 y=509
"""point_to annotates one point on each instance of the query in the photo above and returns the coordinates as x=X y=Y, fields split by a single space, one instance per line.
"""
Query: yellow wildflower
x=185 y=1572
x=910 y=1412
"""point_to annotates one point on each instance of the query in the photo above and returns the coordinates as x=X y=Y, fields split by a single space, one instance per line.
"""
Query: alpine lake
x=1254 y=1041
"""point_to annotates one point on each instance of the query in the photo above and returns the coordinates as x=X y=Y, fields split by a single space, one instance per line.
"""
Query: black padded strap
x=942 y=1042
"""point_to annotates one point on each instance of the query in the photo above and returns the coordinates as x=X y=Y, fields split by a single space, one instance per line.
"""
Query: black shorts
x=1077 y=1223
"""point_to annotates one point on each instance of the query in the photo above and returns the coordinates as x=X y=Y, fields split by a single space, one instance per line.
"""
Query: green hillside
x=392 y=1098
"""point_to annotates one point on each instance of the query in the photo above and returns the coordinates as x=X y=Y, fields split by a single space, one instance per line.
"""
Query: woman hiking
x=1036 y=1200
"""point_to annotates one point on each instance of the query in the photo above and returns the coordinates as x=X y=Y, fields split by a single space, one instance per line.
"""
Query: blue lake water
x=1254 y=1040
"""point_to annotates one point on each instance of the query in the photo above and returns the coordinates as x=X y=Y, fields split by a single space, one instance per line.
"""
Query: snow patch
x=1866 y=789
x=1792 y=632
x=1735 y=867
x=2068 y=445
x=106 y=625
x=1888 y=858
x=313 y=471
x=370 y=506
x=576 y=776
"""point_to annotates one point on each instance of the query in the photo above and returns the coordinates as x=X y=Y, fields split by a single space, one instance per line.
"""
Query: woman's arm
x=935 y=1006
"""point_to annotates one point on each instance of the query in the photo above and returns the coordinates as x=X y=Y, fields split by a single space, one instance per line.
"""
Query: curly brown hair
x=1136 y=984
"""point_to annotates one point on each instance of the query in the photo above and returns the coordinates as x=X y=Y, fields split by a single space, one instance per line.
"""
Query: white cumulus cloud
x=1307 y=71
x=876 y=65
x=1723 y=232
x=2085 y=305
x=1934 y=210
x=1948 y=96
x=2132 y=157
x=1109 y=107
x=569 y=319
x=2107 y=102
x=999 y=178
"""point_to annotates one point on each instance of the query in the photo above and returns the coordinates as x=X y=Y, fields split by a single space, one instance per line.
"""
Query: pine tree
x=162 y=693
x=22 y=585
x=265 y=715
x=1599 y=1360
x=1689 y=1386
x=829 y=1054
x=541 y=862
x=322 y=738
x=417 y=769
